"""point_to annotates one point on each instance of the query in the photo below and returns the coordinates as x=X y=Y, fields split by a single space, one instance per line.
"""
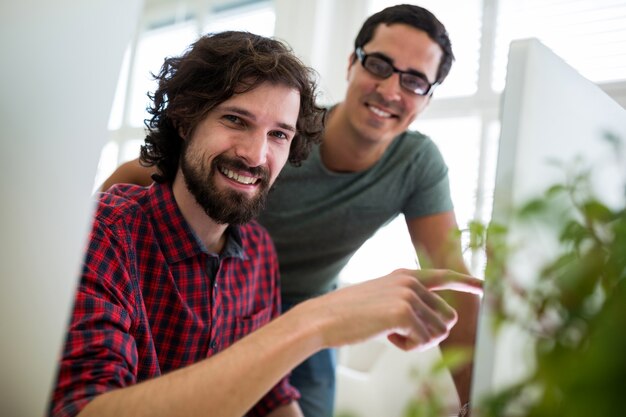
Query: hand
x=401 y=305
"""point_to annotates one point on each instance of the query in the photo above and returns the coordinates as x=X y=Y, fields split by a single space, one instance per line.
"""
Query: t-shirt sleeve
x=430 y=187
x=99 y=352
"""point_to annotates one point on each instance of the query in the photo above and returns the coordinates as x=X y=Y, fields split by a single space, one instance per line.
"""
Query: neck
x=343 y=148
x=210 y=232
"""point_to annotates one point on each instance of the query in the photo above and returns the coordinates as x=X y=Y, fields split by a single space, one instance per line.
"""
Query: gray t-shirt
x=319 y=218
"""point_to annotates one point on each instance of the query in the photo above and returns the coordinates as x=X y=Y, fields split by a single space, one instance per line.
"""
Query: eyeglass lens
x=384 y=69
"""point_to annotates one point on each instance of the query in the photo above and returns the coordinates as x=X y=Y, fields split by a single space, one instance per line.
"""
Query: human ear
x=182 y=133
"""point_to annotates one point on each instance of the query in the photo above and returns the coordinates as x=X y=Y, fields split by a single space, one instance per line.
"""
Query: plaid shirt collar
x=177 y=238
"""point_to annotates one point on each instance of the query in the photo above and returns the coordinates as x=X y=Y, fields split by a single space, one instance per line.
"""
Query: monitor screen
x=549 y=112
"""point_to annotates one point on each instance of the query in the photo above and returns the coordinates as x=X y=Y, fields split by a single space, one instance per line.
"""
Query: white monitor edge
x=57 y=85
x=548 y=111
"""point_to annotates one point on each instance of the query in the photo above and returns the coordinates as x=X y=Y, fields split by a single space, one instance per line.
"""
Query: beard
x=223 y=206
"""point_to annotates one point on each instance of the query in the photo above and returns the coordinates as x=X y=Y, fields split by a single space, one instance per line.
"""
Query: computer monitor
x=60 y=65
x=548 y=112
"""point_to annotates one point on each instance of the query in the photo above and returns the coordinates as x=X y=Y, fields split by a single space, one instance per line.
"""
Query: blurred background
x=463 y=117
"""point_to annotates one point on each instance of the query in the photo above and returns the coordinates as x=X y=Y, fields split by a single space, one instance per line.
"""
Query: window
x=463 y=117
x=152 y=48
x=589 y=34
x=257 y=17
x=167 y=29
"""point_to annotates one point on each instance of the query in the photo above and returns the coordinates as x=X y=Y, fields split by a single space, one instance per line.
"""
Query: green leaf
x=533 y=207
x=596 y=211
x=556 y=190
x=477 y=234
x=575 y=233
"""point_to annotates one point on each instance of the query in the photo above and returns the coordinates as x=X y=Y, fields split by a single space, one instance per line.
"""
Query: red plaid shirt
x=152 y=299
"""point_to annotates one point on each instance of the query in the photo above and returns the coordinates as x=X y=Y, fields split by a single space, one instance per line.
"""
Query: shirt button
x=213 y=345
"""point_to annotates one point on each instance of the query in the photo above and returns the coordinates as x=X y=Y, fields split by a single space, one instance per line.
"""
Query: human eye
x=232 y=119
x=414 y=83
x=378 y=66
x=279 y=134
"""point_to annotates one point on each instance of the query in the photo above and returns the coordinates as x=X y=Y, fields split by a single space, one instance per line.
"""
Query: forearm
x=226 y=385
x=438 y=246
x=463 y=335
x=130 y=172
x=400 y=305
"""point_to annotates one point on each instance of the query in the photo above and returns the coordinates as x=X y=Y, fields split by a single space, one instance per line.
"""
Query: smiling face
x=378 y=109
x=230 y=160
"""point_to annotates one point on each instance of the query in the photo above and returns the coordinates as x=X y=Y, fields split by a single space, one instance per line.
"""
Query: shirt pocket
x=248 y=324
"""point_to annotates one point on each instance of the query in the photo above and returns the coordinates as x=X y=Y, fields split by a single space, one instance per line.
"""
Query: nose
x=253 y=149
x=389 y=88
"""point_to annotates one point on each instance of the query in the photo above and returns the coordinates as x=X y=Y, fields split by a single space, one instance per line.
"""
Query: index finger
x=442 y=279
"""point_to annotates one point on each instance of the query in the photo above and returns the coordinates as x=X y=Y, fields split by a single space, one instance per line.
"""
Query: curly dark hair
x=417 y=17
x=211 y=71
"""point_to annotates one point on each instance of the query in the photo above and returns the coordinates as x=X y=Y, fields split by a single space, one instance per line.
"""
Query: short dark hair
x=211 y=71
x=414 y=16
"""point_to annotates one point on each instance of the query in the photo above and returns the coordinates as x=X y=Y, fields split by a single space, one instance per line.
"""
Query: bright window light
x=259 y=19
x=153 y=47
x=589 y=34
x=458 y=140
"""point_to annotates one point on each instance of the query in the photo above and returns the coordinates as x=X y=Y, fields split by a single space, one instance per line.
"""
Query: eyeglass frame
x=362 y=57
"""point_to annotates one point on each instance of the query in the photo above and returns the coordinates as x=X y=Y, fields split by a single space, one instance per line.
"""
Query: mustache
x=235 y=164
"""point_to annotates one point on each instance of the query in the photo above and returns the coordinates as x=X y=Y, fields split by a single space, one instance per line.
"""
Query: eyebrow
x=243 y=112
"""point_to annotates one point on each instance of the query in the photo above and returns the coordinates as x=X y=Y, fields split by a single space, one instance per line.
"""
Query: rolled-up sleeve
x=100 y=353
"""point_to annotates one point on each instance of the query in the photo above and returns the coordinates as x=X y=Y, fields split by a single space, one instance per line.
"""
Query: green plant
x=427 y=400
x=575 y=310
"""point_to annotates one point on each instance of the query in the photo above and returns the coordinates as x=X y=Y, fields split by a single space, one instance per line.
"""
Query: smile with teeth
x=379 y=112
x=242 y=179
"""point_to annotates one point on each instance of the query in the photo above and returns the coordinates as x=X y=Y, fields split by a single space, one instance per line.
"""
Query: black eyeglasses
x=381 y=66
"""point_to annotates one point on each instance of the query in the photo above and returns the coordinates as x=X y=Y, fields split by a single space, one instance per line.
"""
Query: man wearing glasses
x=368 y=169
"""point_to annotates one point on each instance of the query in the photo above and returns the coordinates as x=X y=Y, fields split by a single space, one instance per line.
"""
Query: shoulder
x=120 y=203
x=411 y=150
x=417 y=148
x=122 y=226
x=416 y=142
